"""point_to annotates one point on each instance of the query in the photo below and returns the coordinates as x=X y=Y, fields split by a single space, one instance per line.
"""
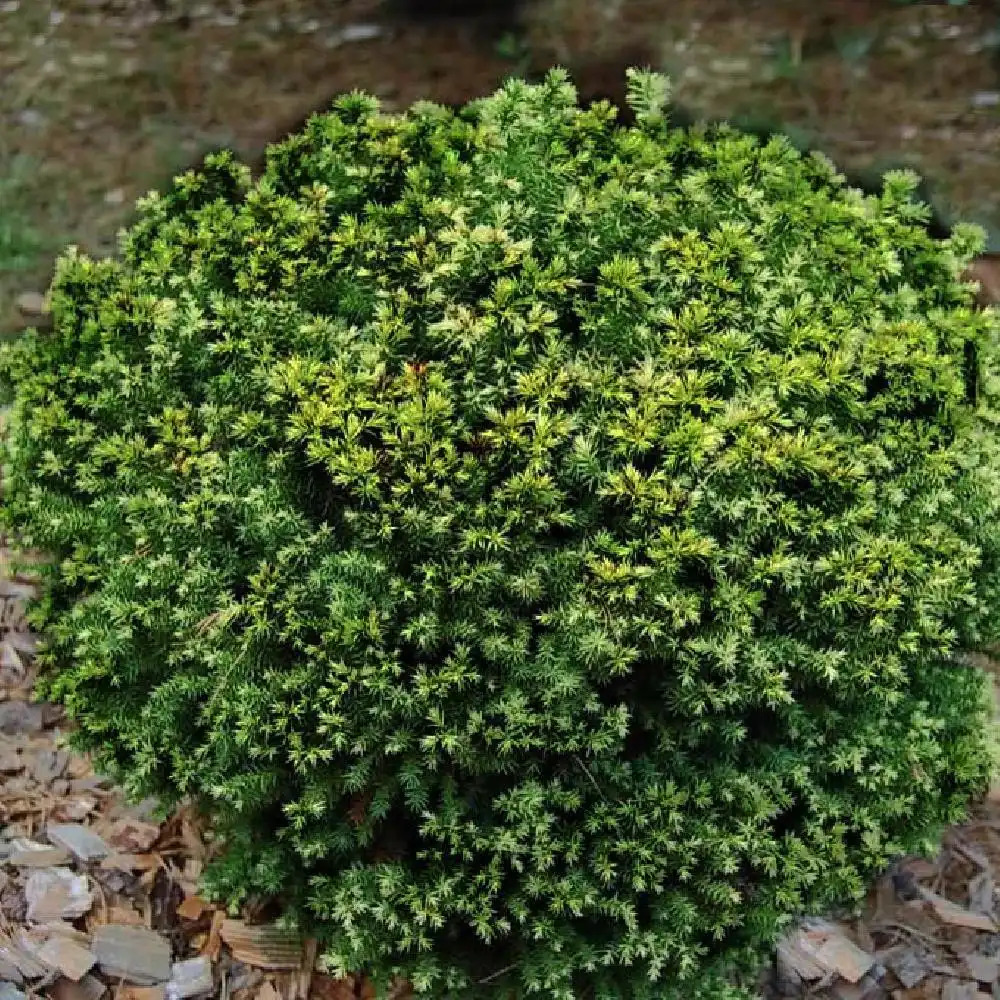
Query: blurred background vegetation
x=101 y=100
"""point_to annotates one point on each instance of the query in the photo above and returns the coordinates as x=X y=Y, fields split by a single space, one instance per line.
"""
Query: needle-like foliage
x=546 y=547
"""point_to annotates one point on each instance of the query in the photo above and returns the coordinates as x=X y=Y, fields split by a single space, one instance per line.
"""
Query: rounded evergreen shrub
x=546 y=548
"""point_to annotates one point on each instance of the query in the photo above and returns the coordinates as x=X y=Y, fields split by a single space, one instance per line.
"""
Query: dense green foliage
x=545 y=545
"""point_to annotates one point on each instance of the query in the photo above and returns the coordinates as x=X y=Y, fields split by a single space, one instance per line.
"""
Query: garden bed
x=105 y=101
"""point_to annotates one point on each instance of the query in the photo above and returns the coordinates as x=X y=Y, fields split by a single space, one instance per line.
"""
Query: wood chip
x=30 y=939
x=57 y=894
x=85 y=783
x=840 y=955
x=963 y=941
x=13 y=670
x=192 y=908
x=133 y=954
x=213 y=946
x=21 y=959
x=242 y=977
x=981 y=968
x=981 y=893
x=957 y=916
x=74 y=809
x=79 y=840
x=63 y=928
x=88 y=988
x=47 y=765
x=911 y=966
x=21 y=718
x=18 y=589
x=863 y=936
x=265 y=946
x=69 y=958
x=11 y=761
x=10 y=974
x=93 y=988
x=968 y=851
x=328 y=988
x=863 y=989
x=308 y=963
x=915 y=915
x=140 y=993
x=25 y=643
x=826 y=947
x=31 y=854
x=148 y=879
x=133 y=836
x=131 y=862
x=191 y=978
x=126 y=915
x=919 y=868
x=954 y=989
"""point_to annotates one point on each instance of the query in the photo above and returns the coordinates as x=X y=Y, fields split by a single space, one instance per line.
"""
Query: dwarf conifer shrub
x=546 y=547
